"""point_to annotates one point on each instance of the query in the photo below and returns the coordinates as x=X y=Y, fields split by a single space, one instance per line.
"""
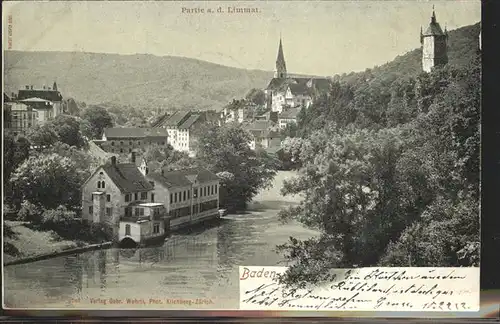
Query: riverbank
x=23 y=244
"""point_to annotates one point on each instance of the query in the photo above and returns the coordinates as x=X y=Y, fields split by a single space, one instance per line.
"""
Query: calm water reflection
x=201 y=264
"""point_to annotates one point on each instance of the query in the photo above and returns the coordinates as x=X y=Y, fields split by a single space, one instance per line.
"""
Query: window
x=91 y=210
x=195 y=193
x=137 y=211
x=108 y=198
x=144 y=195
x=215 y=188
x=121 y=143
x=156 y=228
x=136 y=196
x=130 y=143
x=185 y=193
x=121 y=150
x=212 y=189
x=130 y=150
x=171 y=196
x=112 y=143
x=99 y=184
x=109 y=211
x=128 y=212
x=152 y=197
x=127 y=229
x=204 y=191
x=175 y=197
x=189 y=194
x=127 y=197
x=103 y=184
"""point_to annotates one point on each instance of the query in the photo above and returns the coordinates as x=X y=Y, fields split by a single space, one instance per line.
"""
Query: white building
x=190 y=196
x=181 y=128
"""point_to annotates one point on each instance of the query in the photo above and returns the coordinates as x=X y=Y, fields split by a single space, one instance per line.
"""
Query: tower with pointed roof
x=434 y=45
x=280 y=71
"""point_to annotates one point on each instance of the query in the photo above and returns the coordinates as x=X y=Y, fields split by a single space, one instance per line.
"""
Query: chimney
x=113 y=160
x=43 y=87
x=27 y=87
x=13 y=95
x=31 y=87
x=133 y=157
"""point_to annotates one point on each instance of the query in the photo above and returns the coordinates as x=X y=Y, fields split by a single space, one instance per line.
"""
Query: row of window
x=138 y=143
x=109 y=210
x=135 y=196
x=198 y=208
x=185 y=195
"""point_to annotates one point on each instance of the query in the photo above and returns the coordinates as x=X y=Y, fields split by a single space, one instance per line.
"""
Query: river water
x=192 y=270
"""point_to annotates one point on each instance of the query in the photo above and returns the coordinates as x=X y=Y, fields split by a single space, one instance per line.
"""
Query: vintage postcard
x=256 y=155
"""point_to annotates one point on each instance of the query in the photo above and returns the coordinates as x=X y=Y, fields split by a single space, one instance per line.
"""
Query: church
x=285 y=91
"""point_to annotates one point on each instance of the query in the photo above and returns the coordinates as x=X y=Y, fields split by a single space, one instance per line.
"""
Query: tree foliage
x=97 y=119
x=49 y=181
x=226 y=150
x=68 y=130
x=392 y=175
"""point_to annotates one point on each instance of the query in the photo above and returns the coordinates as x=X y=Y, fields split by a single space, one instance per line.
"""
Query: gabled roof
x=176 y=119
x=127 y=177
x=52 y=95
x=276 y=84
x=190 y=121
x=134 y=132
x=259 y=125
x=179 y=178
x=290 y=113
x=35 y=99
x=299 y=89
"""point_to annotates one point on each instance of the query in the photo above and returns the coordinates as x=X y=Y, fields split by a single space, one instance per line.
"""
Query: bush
x=30 y=212
x=60 y=216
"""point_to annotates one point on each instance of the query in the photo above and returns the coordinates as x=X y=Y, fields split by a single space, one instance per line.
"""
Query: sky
x=319 y=37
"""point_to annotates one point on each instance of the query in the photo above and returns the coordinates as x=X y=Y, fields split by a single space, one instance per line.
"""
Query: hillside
x=462 y=45
x=142 y=81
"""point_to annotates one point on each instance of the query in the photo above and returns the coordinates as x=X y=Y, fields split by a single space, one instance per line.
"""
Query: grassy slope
x=24 y=242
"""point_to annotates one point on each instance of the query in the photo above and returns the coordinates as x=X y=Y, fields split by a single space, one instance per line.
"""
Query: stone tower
x=434 y=45
x=280 y=64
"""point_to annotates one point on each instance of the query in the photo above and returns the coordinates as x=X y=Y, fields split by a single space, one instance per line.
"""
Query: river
x=198 y=267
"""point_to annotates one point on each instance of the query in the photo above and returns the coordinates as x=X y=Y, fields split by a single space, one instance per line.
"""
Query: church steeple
x=280 y=63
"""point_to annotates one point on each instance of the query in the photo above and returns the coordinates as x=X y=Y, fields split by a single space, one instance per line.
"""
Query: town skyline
x=161 y=29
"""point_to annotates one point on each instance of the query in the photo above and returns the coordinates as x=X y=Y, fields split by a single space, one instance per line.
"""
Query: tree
x=15 y=152
x=49 y=181
x=257 y=96
x=68 y=130
x=42 y=136
x=97 y=119
x=401 y=196
x=226 y=149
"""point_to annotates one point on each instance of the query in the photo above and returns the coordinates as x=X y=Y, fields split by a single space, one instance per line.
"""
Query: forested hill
x=391 y=94
x=462 y=46
x=142 y=81
x=390 y=166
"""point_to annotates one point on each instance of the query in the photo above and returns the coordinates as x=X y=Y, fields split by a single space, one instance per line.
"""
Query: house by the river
x=141 y=206
x=118 y=194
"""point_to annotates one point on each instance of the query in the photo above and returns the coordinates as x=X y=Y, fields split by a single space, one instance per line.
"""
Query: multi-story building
x=190 y=196
x=288 y=117
x=182 y=129
x=32 y=107
x=126 y=140
x=118 y=194
x=263 y=134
